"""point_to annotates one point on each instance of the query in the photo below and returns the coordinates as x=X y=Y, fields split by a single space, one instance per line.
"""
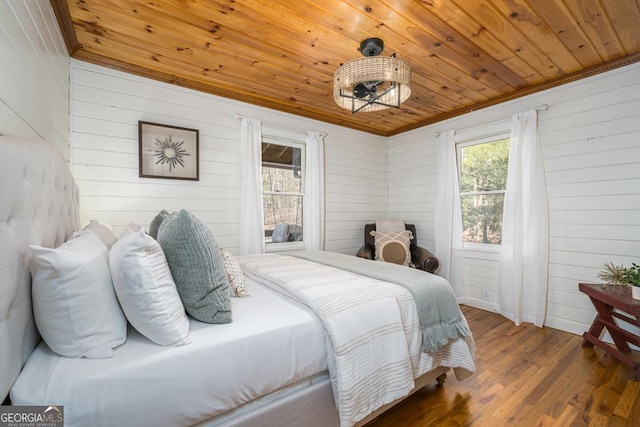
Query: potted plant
x=632 y=276
x=612 y=274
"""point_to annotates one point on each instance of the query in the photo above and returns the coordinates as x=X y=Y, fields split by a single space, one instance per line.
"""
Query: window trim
x=301 y=144
x=494 y=136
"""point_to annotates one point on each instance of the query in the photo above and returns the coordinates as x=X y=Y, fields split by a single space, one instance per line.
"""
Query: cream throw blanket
x=389 y=225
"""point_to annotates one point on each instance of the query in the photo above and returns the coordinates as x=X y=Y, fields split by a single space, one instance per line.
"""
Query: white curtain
x=524 y=257
x=251 y=210
x=313 y=215
x=448 y=218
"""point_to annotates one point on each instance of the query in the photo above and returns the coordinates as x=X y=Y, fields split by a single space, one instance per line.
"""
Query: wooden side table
x=606 y=298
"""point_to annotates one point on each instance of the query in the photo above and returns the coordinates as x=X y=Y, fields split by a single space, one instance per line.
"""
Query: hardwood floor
x=526 y=376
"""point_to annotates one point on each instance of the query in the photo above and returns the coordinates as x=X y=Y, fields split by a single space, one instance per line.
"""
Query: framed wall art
x=168 y=152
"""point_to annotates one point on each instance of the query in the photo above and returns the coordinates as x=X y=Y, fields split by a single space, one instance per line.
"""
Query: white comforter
x=272 y=344
x=373 y=328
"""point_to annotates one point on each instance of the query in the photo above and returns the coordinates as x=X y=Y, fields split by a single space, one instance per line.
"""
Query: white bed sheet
x=270 y=344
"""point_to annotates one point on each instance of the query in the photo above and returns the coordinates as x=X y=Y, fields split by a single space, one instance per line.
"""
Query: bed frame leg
x=441 y=379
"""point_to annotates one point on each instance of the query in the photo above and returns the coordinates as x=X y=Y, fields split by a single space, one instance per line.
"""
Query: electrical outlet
x=486 y=294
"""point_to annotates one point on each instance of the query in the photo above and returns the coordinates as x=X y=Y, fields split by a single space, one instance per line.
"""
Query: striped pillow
x=234 y=274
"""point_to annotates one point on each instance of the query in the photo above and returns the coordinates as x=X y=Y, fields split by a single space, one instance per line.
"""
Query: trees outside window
x=282 y=191
x=483 y=178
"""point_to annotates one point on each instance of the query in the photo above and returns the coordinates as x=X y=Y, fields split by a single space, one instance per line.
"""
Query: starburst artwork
x=170 y=152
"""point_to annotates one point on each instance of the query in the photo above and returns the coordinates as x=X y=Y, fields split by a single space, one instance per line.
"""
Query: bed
x=283 y=359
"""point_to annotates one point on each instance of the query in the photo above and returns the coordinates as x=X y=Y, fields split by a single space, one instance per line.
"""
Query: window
x=282 y=191
x=483 y=178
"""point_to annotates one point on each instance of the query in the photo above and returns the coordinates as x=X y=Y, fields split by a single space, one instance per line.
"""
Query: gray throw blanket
x=440 y=316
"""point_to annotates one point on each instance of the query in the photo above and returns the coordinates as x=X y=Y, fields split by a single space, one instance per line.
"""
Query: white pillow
x=146 y=290
x=102 y=231
x=74 y=305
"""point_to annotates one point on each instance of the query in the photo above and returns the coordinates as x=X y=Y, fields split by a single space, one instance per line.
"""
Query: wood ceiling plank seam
x=170 y=77
x=139 y=22
x=259 y=70
x=289 y=40
x=459 y=65
x=179 y=40
x=423 y=107
x=445 y=94
x=231 y=80
x=503 y=29
x=536 y=30
x=477 y=34
x=448 y=35
x=593 y=19
x=442 y=75
x=559 y=18
x=626 y=20
x=435 y=101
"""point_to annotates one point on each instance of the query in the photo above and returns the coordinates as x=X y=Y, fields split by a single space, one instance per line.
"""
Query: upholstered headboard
x=38 y=205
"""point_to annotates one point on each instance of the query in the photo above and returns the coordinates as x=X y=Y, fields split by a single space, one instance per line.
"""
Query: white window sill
x=481 y=247
x=284 y=246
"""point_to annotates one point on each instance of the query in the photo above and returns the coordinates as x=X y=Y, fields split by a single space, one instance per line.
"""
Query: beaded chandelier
x=374 y=82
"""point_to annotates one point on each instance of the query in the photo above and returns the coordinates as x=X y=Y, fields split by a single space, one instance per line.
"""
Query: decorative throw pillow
x=234 y=274
x=146 y=290
x=103 y=232
x=155 y=223
x=393 y=246
x=280 y=233
x=74 y=304
x=197 y=267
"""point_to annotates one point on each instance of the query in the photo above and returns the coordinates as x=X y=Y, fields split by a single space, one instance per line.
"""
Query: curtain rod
x=543 y=107
x=239 y=116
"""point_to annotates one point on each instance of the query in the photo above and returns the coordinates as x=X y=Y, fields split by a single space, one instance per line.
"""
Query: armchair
x=420 y=257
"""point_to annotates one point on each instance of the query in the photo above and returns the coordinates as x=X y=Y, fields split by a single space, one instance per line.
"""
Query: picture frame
x=168 y=152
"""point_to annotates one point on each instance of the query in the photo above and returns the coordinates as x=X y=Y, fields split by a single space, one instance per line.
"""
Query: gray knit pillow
x=155 y=223
x=197 y=267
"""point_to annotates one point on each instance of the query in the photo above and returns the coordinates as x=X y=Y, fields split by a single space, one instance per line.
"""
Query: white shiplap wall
x=105 y=108
x=591 y=144
x=34 y=73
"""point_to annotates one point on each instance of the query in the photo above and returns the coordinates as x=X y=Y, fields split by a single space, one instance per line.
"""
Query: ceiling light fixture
x=374 y=82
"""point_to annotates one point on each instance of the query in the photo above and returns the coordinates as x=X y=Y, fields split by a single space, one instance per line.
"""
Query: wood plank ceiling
x=282 y=54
